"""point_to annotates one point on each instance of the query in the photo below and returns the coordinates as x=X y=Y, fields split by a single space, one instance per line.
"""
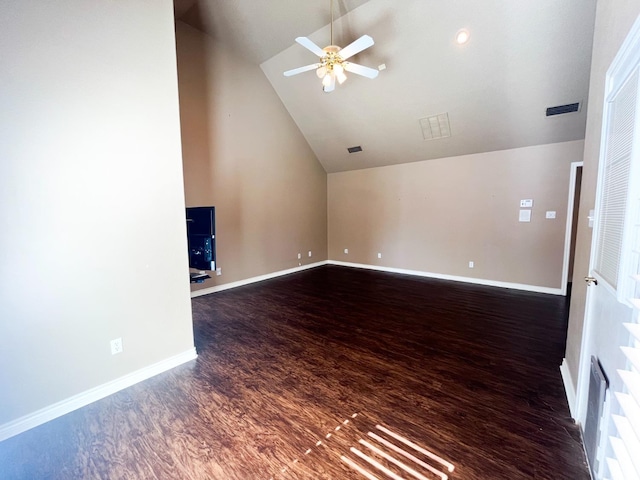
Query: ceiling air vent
x=435 y=127
x=355 y=149
x=562 y=109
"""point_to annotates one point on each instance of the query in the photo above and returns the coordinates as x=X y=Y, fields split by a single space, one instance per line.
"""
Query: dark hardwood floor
x=295 y=373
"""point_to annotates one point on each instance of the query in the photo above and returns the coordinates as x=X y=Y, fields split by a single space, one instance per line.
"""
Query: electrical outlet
x=471 y=264
x=379 y=255
x=299 y=256
x=309 y=252
x=346 y=250
x=116 y=346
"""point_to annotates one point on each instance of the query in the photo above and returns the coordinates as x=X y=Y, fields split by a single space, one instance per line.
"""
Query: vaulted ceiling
x=522 y=57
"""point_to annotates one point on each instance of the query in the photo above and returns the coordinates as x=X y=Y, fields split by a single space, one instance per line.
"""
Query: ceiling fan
x=333 y=60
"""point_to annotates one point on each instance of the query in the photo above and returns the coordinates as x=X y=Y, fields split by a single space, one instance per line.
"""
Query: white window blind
x=624 y=464
x=617 y=158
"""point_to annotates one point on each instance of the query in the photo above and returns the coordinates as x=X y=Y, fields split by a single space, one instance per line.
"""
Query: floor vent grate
x=595 y=405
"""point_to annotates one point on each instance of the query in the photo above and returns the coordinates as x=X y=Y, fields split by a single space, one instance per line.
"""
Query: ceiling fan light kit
x=333 y=60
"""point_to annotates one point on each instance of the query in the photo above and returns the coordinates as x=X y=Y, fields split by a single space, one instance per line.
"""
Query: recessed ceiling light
x=462 y=36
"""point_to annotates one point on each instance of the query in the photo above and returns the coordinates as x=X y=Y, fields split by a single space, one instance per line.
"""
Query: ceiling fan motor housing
x=331 y=59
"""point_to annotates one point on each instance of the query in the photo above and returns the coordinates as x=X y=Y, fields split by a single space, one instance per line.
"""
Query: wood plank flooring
x=294 y=373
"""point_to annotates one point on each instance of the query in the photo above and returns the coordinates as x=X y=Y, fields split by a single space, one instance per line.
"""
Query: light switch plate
x=550 y=214
x=525 y=216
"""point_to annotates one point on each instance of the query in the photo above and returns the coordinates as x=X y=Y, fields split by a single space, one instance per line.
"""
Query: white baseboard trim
x=70 y=404
x=260 y=278
x=418 y=273
x=454 y=278
x=568 y=387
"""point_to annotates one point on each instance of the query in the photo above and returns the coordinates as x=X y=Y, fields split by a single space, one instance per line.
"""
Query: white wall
x=437 y=215
x=92 y=229
x=244 y=154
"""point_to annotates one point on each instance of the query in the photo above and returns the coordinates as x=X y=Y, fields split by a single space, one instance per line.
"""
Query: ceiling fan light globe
x=321 y=72
x=341 y=78
x=338 y=69
x=326 y=81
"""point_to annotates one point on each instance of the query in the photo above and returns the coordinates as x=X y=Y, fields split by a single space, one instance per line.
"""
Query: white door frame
x=569 y=227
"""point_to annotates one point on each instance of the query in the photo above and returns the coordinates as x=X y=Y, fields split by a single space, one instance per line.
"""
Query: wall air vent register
x=436 y=126
x=562 y=109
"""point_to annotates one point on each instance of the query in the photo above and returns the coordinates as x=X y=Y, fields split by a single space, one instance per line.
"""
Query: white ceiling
x=258 y=29
x=523 y=56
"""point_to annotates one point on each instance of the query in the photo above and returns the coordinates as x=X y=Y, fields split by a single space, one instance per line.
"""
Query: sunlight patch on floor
x=378 y=454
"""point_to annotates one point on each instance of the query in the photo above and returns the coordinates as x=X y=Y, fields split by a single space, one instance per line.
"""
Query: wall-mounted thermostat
x=526 y=203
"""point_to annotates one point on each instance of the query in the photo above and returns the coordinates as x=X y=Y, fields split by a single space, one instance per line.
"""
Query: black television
x=201 y=235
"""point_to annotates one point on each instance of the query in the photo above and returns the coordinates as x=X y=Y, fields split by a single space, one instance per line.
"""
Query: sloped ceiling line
x=521 y=58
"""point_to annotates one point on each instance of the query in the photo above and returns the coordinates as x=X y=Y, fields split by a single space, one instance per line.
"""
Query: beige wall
x=436 y=216
x=92 y=233
x=244 y=154
x=614 y=19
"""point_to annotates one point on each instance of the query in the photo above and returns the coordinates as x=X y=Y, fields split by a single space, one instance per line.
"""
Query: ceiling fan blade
x=360 y=44
x=360 y=70
x=298 y=70
x=309 y=45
